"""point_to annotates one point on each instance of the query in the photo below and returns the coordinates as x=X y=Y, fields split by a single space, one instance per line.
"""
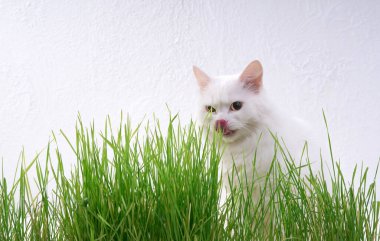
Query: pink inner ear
x=202 y=78
x=252 y=76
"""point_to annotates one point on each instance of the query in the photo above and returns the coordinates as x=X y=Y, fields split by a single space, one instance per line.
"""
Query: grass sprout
x=149 y=183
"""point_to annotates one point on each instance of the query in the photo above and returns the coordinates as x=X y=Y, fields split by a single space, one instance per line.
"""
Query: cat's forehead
x=225 y=83
x=225 y=79
x=224 y=90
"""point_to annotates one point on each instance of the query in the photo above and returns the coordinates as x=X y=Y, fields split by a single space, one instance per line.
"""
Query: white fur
x=257 y=117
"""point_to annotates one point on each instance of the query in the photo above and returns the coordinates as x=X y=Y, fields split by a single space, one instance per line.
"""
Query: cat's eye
x=210 y=109
x=236 y=106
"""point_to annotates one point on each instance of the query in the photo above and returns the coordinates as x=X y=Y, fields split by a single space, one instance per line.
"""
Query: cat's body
x=240 y=109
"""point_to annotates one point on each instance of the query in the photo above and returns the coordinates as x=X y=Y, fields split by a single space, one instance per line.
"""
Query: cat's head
x=233 y=104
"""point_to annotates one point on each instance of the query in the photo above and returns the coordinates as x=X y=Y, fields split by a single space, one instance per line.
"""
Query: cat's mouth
x=226 y=132
x=222 y=127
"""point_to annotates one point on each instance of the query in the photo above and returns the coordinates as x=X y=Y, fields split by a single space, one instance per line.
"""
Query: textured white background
x=101 y=57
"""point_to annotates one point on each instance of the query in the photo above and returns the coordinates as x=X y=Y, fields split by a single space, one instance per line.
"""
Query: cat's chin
x=230 y=136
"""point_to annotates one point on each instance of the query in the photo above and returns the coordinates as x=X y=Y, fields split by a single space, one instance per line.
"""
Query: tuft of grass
x=149 y=183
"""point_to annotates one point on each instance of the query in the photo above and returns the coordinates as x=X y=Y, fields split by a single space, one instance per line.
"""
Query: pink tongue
x=221 y=126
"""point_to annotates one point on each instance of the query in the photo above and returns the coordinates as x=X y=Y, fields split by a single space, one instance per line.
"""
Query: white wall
x=101 y=57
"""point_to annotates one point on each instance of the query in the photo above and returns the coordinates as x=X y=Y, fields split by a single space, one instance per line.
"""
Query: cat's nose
x=220 y=124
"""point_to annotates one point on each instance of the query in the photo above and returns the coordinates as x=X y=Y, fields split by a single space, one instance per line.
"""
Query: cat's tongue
x=221 y=125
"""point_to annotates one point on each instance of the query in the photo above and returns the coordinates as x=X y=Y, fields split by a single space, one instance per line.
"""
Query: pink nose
x=220 y=124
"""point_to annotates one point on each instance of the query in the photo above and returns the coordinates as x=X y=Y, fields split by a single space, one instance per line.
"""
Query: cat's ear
x=252 y=76
x=201 y=77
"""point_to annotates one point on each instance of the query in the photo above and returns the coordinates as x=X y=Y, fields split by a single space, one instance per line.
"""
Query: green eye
x=236 y=106
x=210 y=109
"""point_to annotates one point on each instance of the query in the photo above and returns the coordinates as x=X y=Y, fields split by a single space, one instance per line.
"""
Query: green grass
x=148 y=184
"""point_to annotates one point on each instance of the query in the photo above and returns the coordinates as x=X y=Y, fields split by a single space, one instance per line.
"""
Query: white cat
x=241 y=110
